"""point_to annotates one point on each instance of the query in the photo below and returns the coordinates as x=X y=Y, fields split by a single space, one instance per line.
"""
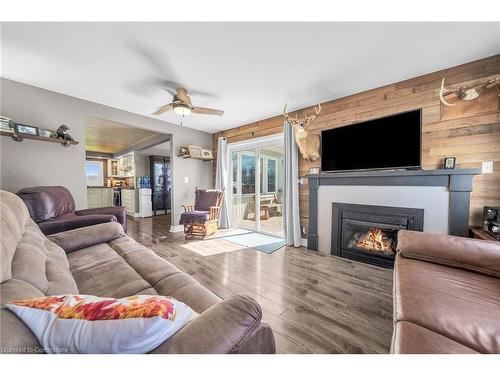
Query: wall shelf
x=185 y=153
x=190 y=157
x=35 y=137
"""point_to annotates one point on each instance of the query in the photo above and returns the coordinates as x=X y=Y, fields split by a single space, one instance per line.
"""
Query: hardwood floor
x=315 y=303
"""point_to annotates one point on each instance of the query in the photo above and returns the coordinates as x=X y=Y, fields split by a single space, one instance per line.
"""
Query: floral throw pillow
x=89 y=324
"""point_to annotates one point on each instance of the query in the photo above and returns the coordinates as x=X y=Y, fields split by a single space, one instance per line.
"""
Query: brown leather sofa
x=53 y=209
x=101 y=260
x=446 y=295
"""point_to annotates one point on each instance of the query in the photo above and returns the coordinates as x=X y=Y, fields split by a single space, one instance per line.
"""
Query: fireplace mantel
x=458 y=182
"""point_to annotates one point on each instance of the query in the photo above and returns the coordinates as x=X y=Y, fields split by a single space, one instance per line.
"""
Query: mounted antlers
x=465 y=93
x=308 y=143
x=307 y=119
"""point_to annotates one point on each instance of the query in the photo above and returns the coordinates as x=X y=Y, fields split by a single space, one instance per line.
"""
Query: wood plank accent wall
x=470 y=131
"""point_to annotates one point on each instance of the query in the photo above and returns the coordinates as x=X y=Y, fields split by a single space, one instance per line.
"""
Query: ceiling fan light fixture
x=182 y=109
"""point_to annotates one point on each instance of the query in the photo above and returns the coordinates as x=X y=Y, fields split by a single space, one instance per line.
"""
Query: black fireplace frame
x=402 y=217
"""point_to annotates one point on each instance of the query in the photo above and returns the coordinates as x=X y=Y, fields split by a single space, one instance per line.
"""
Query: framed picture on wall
x=6 y=124
x=184 y=152
x=314 y=170
x=449 y=162
x=195 y=152
x=46 y=133
x=26 y=129
x=206 y=154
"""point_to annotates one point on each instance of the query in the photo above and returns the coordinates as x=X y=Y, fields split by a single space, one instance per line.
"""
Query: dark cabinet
x=161 y=182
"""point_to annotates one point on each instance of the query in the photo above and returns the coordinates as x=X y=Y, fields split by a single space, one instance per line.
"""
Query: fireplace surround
x=444 y=193
x=368 y=233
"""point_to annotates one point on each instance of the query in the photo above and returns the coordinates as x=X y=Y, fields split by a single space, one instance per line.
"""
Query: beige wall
x=32 y=163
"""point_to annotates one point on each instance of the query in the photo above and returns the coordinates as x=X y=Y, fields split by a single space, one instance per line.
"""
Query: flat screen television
x=391 y=142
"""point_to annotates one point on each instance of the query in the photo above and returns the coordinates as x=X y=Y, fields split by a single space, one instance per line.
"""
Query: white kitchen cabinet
x=94 y=199
x=99 y=197
x=128 y=200
x=126 y=166
x=113 y=168
x=107 y=197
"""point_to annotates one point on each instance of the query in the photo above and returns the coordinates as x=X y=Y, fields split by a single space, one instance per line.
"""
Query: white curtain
x=221 y=182
x=291 y=220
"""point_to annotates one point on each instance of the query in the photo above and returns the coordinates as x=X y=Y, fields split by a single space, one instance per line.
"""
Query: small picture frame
x=6 y=124
x=26 y=129
x=184 y=151
x=206 y=154
x=46 y=133
x=314 y=170
x=195 y=152
x=449 y=162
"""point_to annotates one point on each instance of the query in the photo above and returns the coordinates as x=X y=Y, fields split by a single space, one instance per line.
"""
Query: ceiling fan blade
x=163 y=109
x=208 y=111
x=181 y=94
x=171 y=86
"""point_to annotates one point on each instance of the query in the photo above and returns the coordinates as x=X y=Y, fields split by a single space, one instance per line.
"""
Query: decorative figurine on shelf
x=62 y=132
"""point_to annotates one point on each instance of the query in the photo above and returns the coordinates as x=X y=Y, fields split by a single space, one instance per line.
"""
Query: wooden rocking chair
x=200 y=219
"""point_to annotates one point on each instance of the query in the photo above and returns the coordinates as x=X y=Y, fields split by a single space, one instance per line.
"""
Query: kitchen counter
x=111 y=187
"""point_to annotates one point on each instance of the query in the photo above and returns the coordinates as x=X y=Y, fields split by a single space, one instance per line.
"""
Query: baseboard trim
x=176 y=228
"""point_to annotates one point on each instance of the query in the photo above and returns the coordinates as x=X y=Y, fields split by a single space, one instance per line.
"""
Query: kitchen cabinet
x=99 y=197
x=128 y=200
x=113 y=168
x=126 y=166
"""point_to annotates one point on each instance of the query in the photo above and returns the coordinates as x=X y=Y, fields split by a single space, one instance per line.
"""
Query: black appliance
x=161 y=182
x=117 y=196
x=491 y=221
x=385 y=143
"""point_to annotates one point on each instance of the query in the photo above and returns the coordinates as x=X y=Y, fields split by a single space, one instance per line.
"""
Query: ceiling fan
x=181 y=105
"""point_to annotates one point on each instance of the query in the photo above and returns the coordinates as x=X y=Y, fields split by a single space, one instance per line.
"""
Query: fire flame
x=375 y=240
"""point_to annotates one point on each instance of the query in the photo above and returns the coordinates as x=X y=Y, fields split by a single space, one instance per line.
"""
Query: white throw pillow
x=89 y=324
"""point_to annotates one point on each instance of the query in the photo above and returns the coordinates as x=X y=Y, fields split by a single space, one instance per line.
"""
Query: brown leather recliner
x=446 y=295
x=53 y=209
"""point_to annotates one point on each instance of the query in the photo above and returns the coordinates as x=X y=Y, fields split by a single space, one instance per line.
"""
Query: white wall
x=32 y=163
x=434 y=200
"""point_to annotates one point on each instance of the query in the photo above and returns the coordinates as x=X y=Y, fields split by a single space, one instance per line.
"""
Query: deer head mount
x=308 y=143
x=464 y=93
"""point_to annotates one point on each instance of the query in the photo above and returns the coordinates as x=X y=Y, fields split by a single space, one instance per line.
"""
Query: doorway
x=256 y=184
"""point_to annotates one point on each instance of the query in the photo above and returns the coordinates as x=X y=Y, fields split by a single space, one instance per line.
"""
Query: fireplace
x=369 y=233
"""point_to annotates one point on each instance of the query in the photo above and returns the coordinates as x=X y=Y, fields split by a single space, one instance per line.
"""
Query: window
x=234 y=156
x=247 y=174
x=271 y=175
x=95 y=173
x=243 y=173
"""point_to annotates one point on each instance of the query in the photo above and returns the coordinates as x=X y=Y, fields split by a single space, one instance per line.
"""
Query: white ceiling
x=112 y=137
x=250 y=70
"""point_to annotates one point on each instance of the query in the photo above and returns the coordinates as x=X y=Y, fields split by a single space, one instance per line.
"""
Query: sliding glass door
x=271 y=189
x=243 y=187
x=257 y=185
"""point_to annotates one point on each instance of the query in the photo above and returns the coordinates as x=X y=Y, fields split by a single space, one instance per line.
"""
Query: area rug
x=258 y=241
